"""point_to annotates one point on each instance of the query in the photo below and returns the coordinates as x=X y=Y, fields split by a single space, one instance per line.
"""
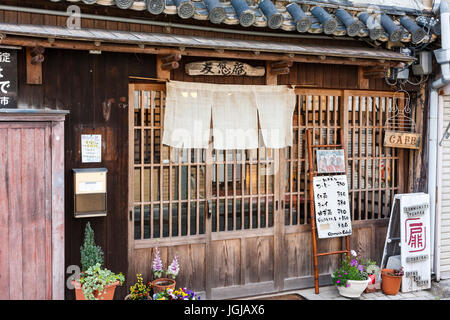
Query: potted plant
x=95 y=282
x=351 y=278
x=391 y=280
x=140 y=291
x=160 y=284
x=91 y=254
x=180 y=294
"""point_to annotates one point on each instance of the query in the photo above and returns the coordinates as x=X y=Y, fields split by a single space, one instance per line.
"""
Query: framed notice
x=330 y=161
x=332 y=208
x=91 y=148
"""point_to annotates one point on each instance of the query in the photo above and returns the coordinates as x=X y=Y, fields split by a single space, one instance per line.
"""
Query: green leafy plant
x=96 y=279
x=351 y=268
x=91 y=254
x=140 y=291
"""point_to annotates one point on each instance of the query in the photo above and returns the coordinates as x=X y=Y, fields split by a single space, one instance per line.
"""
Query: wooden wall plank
x=29 y=221
x=16 y=287
x=42 y=190
x=4 y=214
x=57 y=211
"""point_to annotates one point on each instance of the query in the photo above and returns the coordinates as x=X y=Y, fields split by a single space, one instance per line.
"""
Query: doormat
x=292 y=296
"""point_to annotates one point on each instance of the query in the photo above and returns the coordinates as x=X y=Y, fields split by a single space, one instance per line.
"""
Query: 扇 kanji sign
x=8 y=78
x=415 y=241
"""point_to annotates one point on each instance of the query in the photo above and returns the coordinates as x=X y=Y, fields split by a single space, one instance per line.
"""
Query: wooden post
x=363 y=83
x=278 y=270
x=311 y=208
x=34 y=65
x=162 y=72
x=271 y=79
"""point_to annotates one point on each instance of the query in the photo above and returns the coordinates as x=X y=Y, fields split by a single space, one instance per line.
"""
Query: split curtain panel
x=235 y=111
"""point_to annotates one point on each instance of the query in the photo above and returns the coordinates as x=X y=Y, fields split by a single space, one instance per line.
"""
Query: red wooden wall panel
x=27 y=255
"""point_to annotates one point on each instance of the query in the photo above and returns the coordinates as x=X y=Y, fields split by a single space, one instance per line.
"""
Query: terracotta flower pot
x=390 y=284
x=106 y=294
x=161 y=284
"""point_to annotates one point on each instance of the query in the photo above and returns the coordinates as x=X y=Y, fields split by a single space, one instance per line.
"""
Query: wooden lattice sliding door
x=377 y=172
x=213 y=208
x=239 y=219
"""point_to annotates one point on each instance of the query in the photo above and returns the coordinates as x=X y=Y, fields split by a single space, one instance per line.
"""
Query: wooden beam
x=171 y=58
x=282 y=64
x=373 y=72
x=278 y=71
x=194 y=52
x=34 y=65
x=170 y=65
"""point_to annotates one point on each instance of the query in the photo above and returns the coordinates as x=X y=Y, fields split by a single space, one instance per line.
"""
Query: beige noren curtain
x=187 y=116
x=234 y=110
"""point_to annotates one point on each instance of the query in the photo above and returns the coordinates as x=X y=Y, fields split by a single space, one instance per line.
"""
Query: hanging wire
x=400 y=121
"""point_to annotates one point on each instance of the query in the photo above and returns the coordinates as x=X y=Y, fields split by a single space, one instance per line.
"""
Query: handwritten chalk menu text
x=8 y=79
x=332 y=208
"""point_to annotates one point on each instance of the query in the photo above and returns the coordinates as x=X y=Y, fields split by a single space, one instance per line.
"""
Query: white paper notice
x=91 y=148
x=332 y=208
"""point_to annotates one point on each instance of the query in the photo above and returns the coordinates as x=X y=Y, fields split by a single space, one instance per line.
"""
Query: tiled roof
x=176 y=41
x=329 y=17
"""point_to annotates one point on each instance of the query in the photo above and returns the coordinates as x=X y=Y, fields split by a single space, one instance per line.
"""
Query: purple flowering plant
x=351 y=268
x=158 y=267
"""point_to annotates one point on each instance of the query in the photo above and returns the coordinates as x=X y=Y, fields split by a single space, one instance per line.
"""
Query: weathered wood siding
x=84 y=84
x=31 y=210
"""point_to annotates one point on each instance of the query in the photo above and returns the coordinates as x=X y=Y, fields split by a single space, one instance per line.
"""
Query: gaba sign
x=407 y=140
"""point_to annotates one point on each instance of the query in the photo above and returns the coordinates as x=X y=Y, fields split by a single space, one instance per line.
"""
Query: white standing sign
x=91 y=148
x=332 y=208
x=415 y=241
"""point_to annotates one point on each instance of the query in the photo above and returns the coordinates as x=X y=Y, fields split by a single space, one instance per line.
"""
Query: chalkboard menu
x=8 y=78
x=332 y=208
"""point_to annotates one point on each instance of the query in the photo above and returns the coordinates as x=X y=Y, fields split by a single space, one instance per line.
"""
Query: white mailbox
x=90 y=192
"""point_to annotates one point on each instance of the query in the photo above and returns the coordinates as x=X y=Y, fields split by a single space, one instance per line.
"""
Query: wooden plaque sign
x=407 y=140
x=332 y=206
x=223 y=68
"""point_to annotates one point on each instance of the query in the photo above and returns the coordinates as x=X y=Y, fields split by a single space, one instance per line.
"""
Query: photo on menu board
x=330 y=161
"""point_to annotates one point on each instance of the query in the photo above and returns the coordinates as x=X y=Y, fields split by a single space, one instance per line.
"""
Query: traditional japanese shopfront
x=236 y=213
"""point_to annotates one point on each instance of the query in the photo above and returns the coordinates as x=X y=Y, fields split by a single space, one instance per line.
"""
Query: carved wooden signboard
x=407 y=140
x=223 y=68
x=332 y=206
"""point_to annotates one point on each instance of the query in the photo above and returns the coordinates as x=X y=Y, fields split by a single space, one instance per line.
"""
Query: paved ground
x=439 y=291
x=331 y=293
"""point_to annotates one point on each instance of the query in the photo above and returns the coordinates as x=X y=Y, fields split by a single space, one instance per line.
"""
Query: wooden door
x=217 y=210
x=375 y=174
x=31 y=206
x=167 y=194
